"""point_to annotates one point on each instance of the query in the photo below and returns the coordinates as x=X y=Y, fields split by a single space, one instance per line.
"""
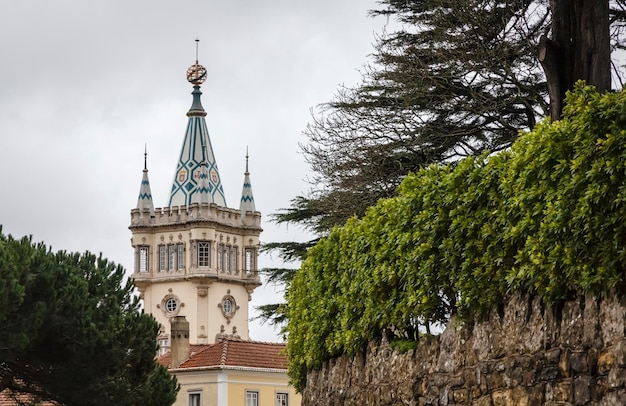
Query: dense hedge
x=547 y=217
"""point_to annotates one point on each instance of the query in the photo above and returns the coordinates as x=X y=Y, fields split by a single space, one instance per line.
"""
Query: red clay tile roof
x=235 y=353
x=166 y=358
x=7 y=398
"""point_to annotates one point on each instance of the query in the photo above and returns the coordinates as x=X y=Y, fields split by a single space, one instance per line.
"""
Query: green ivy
x=545 y=217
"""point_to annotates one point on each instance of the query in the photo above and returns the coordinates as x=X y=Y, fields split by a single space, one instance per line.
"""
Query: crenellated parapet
x=194 y=213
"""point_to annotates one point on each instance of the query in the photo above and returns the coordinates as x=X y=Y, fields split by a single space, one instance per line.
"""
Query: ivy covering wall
x=547 y=217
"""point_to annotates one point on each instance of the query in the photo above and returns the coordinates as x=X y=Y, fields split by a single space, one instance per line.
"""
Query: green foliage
x=450 y=79
x=73 y=331
x=402 y=346
x=544 y=217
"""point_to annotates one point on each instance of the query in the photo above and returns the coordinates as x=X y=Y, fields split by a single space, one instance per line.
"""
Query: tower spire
x=196 y=156
x=247 y=199
x=144 y=201
x=196 y=241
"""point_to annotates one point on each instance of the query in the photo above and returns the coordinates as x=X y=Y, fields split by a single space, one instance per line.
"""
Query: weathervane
x=196 y=74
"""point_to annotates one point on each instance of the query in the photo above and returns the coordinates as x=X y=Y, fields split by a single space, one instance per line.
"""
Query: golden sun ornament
x=196 y=74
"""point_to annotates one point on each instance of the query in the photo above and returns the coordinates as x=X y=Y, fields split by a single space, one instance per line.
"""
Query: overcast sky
x=85 y=84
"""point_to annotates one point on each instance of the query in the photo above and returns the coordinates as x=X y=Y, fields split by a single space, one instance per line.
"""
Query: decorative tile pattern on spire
x=204 y=188
x=197 y=178
x=247 y=198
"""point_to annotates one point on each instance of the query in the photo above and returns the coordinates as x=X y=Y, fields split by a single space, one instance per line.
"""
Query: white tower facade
x=196 y=258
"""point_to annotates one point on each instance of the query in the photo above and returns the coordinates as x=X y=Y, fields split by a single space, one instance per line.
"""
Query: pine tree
x=73 y=332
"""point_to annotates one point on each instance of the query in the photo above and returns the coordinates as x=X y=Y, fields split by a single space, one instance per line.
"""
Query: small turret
x=144 y=201
x=247 y=199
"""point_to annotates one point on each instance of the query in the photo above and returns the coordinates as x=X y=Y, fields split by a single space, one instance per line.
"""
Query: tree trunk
x=578 y=50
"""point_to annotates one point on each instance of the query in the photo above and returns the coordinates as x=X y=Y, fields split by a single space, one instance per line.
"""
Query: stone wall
x=523 y=355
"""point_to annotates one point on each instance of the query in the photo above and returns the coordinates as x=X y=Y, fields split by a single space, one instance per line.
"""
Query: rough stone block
x=591 y=334
x=530 y=375
x=613 y=398
x=431 y=395
x=520 y=396
x=515 y=377
x=579 y=363
x=418 y=388
x=581 y=393
x=536 y=394
x=475 y=392
x=572 y=326
x=482 y=401
x=494 y=381
x=471 y=377
x=564 y=364
x=503 y=397
x=611 y=319
x=606 y=360
x=457 y=381
x=553 y=355
x=443 y=396
x=620 y=353
x=563 y=391
x=559 y=391
x=598 y=388
x=616 y=378
x=460 y=396
x=549 y=373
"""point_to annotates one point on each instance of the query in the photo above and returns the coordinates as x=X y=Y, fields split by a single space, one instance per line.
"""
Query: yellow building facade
x=234 y=372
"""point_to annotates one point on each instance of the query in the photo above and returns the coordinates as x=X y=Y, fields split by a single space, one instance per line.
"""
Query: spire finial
x=196 y=74
x=145 y=157
x=247 y=159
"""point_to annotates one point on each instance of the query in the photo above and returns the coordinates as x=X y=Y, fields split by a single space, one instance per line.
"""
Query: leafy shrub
x=545 y=217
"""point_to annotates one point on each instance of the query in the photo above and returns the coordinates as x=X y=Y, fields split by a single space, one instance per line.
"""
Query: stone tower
x=196 y=257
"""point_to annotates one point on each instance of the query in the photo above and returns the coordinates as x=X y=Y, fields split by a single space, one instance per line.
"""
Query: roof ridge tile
x=224 y=352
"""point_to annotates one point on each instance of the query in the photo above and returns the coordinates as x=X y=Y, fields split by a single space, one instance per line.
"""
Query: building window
x=143 y=259
x=227 y=258
x=234 y=259
x=204 y=254
x=282 y=399
x=164 y=345
x=195 y=398
x=181 y=256
x=171 y=257
x=252 y=398
x=170 y=305
x=162 y=258
x=220 y=257
x=250 y=260
x=228 y=306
